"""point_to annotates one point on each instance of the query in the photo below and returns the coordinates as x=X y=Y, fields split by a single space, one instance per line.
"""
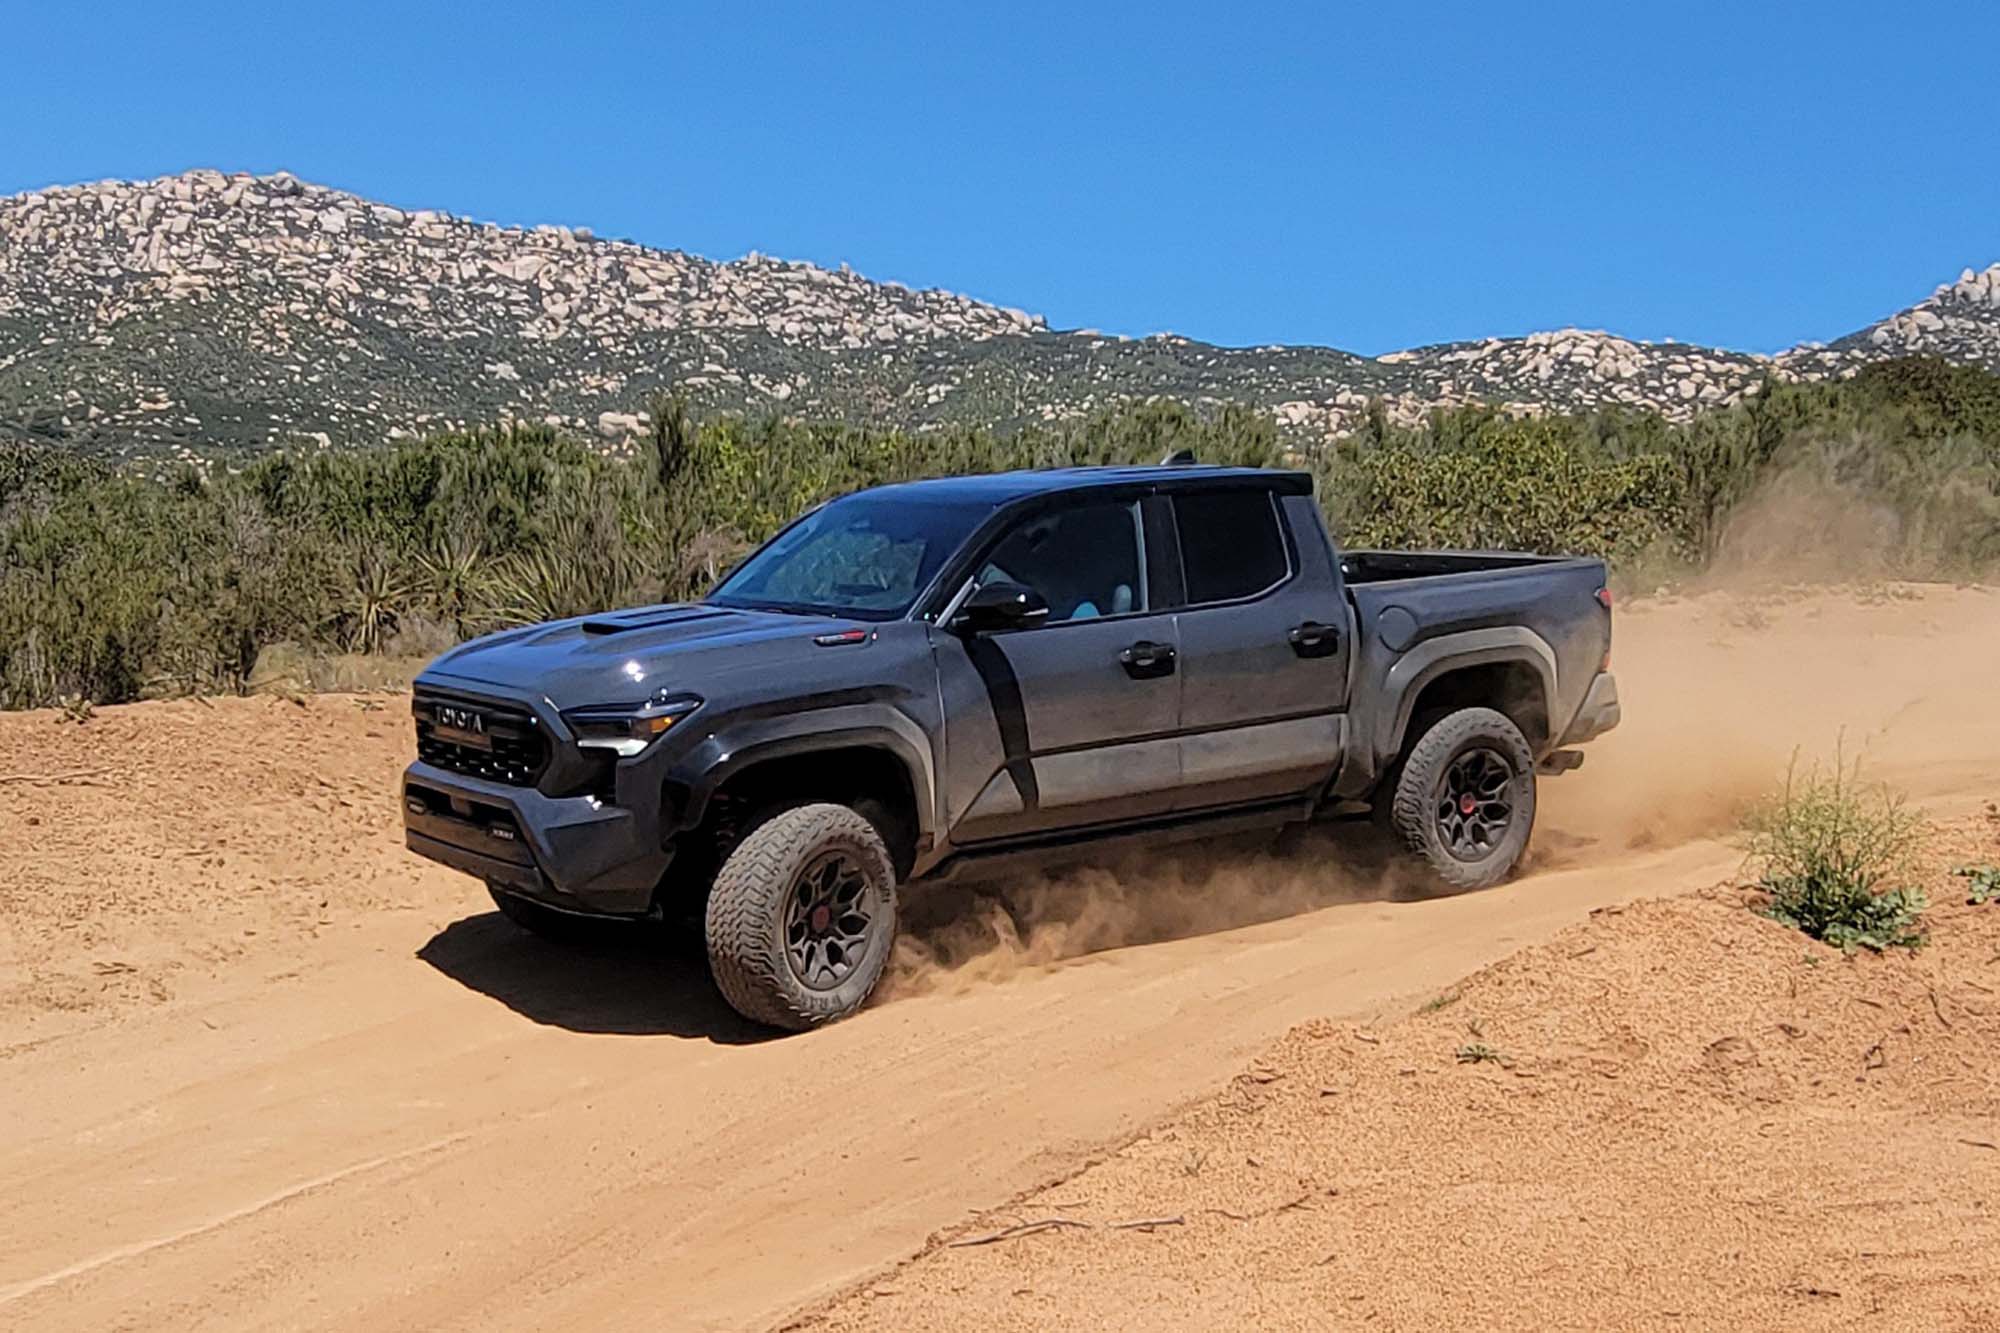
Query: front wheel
x=1465 y=799
x=802 y=916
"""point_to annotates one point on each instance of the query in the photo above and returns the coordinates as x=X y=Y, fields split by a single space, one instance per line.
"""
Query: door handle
x=1313 y=639
x=1146 y=659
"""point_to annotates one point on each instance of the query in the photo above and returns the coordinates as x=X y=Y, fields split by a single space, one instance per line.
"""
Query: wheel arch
x=1510 y=669
x=850 y=755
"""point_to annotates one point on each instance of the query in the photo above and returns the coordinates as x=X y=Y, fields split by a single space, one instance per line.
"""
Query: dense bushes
x=1481 y=480
x=1896 y=471
x=113 y=586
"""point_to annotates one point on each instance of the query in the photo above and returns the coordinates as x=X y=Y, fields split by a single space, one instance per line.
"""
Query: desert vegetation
x=116 y=585
x=1837 y=858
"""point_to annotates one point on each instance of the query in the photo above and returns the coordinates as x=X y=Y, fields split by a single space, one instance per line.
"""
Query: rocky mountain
x=204 y=315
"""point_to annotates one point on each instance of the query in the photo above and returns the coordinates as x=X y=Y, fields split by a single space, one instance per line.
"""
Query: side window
x=1086 y=561
x=1231 y=545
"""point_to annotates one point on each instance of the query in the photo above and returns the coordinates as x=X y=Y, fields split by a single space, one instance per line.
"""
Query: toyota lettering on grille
x=466 y=726
x=461 y=719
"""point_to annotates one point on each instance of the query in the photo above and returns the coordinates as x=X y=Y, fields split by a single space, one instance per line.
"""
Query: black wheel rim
x=1475 y=803
x=829 y=917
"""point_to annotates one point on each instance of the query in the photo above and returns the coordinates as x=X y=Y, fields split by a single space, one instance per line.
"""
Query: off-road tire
x=749 y=952
x=1419 y=788
x=546 y=922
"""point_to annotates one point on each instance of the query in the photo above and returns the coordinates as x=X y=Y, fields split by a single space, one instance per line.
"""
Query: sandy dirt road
x=260 y=1068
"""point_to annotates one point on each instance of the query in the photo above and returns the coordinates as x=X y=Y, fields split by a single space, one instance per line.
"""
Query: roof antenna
x=1178 y=458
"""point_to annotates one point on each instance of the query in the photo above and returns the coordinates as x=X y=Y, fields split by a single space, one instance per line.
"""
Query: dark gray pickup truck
x=960 y=677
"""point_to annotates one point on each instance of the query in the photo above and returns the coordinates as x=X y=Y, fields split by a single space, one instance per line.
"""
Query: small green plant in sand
x=1835 y=856
x=1478 y=1052
x=1983 y=884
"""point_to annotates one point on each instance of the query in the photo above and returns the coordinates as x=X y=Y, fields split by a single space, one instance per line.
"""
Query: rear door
x=1263 y=629
x=1069 y=723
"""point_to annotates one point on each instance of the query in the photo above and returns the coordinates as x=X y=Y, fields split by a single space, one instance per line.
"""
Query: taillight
x=1604 y=598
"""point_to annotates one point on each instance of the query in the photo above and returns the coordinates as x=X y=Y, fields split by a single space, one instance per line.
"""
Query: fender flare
x=1437 y=657
x=742 y=744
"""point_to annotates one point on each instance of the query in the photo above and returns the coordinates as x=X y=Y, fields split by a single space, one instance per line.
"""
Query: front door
x=1069 y=723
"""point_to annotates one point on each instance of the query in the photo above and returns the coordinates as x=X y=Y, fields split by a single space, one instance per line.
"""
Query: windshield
x=862 y=556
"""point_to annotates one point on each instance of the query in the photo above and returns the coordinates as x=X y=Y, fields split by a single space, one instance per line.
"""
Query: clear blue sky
x=1363 y=176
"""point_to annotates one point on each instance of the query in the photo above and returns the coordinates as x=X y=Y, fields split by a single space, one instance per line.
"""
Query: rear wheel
x=802 y=917
x=1465 y=798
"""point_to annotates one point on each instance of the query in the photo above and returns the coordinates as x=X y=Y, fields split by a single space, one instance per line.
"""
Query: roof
x=999 y=488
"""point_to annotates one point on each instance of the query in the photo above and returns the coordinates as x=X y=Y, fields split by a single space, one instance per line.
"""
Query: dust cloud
x=982 y=933
x=1722 y=688
x=1801 y=527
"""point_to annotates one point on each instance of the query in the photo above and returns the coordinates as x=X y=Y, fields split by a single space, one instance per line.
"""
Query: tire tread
x=745 y=946
x=1410 y=814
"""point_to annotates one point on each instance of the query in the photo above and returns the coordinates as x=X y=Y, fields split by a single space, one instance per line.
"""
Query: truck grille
x=479 y=740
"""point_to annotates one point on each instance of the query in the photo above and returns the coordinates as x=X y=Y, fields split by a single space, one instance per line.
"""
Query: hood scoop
x=650 y=618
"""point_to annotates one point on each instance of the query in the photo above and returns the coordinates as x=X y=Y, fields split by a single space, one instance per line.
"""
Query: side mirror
x=1001 y=605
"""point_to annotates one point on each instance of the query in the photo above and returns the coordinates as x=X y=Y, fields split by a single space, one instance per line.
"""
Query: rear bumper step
x=1599 y=713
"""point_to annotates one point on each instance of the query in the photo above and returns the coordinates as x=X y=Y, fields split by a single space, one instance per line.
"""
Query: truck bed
x=1486 y=605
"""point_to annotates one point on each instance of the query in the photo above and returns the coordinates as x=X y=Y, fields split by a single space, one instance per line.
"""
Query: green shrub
x=1833 y=855
x=1478 y=479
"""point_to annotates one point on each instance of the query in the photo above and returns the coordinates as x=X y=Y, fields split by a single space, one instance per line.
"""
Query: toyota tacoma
x=964 y=677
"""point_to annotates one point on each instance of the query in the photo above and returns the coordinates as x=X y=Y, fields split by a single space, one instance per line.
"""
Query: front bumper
x=574 y=852
x=1599 y=713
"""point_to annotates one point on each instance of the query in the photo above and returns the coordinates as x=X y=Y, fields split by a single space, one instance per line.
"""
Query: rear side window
x=1231 y=545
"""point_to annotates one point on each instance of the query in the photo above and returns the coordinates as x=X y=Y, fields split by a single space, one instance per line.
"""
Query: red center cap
x=1467 y=804
x=822 y=917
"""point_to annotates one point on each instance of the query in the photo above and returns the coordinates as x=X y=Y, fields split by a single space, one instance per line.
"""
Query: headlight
x=627 y=729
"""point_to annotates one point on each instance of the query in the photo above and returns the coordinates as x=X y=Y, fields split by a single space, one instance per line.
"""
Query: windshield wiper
x=779 y=608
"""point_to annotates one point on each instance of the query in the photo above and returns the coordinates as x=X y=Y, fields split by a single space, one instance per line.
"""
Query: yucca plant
x=379 y=595
x=455 y=582
x=580 y=564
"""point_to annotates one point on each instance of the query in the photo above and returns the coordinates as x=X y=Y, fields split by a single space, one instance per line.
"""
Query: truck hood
x=623 y=656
